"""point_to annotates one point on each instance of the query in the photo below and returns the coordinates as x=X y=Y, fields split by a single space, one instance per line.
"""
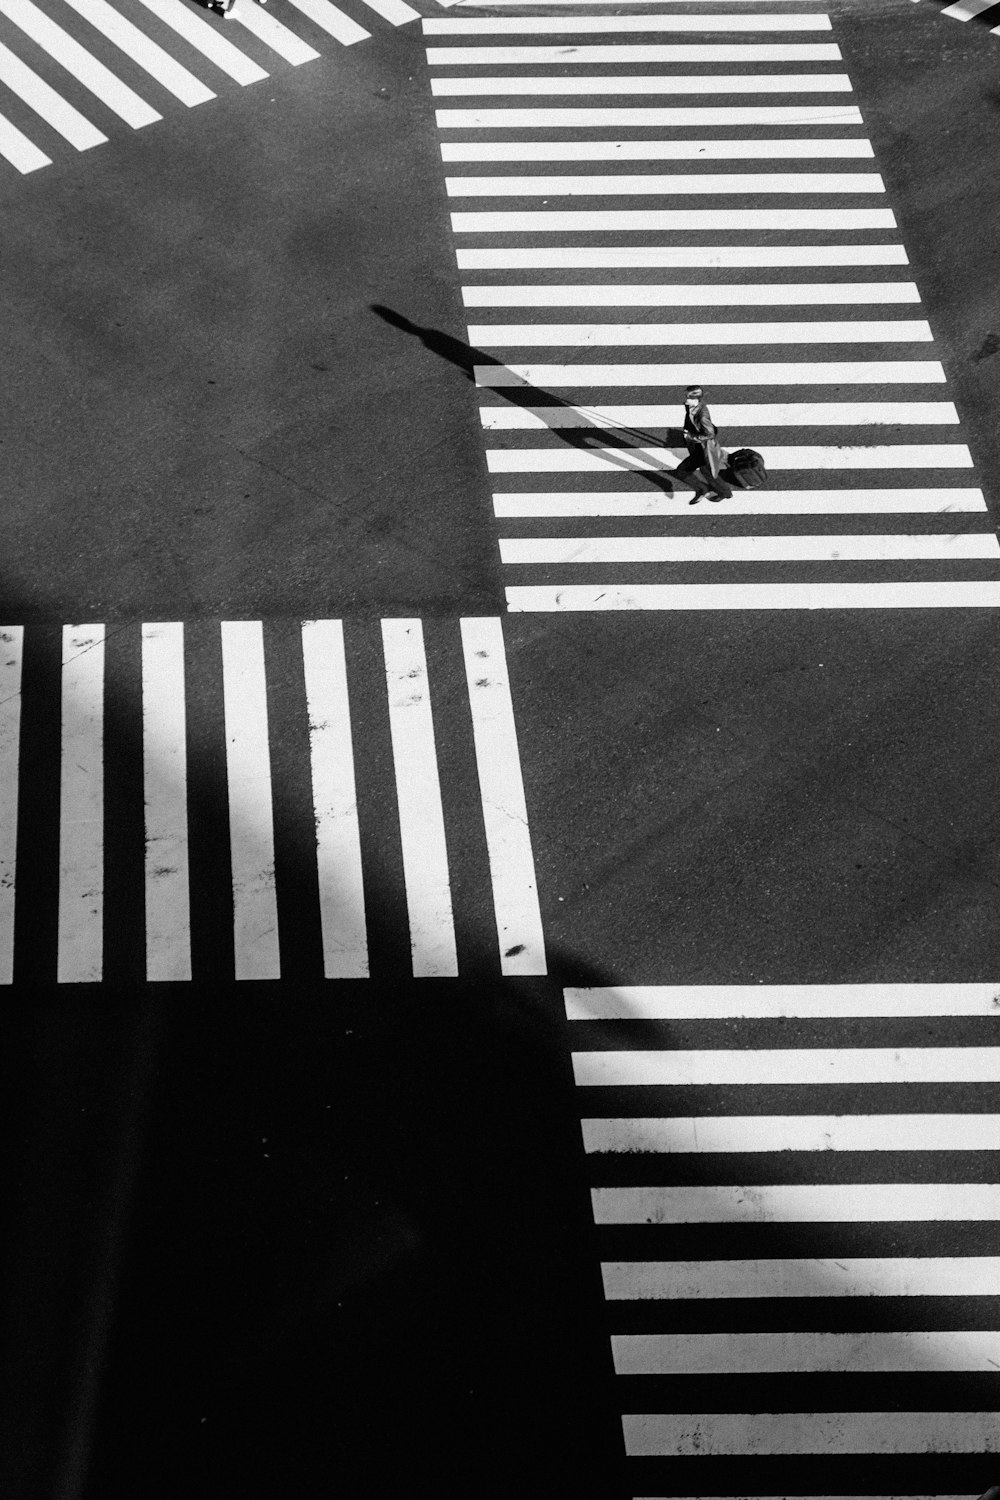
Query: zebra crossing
x=986 y=12
x=165 y=50
x=847 y=1133
x=150 y=784
x=651 y=199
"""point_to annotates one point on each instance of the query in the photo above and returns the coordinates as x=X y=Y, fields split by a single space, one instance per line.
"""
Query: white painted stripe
x=79 y=63
x=217 y=49
x=875 y=1276
x=660 y=460
x=523 y=4
x=18 y=150
x=146 y=53
x=867 y=1353
x=332 y=20
x=47 y=103
x=578 y=25
x=774 y=414
x=705 y=150
x=589 y=256
x=81 y=807
x=639 y=118
x=692 y=294
x=251 y=818
x=11 y=650
x=678 y=184
x=628 y=221
x=622 y=335
x=576 y=551
x=272 y=33
x=569 y=503
x=764 y=1434
x=964 y=10
x=716 y=1002
x=418 y=791
x=739 y=1133
x=394 y=10
x=801 y=1203
x=744 y=52
x=164 y=769
x=985 y=595
x=505 y=814
x=335 y=805
x=832 y=372
x=786 y=1065
x=645 y=83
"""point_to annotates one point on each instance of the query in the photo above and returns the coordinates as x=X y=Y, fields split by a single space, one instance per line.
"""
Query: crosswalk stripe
x=11 y=651
x=146 y=53
x=583 y=551
x=705 y=150
x=644 y=83
x=774 y=414
x=640 y=117
x=807 y=1203
x=692 y=294
x=650 y=182
x=78 y=62
x=524 y=4
x=217 y=49
x=251 y=818
x=569 y=503
x=629 y=221
x=80 y=953
x=418 y=790
x=267 y=29
x=915 y=1351
x=332 y=20
x=966 y=10
x=571 y=598
x=338 y=837
x=16 y=148
x=718 y=1002
x=881 y=1276
x=558 y=25
x=786 y=1065
x=622 y=52
x=614 y=335
x=574 y=257
x=753 y=1434
x=164 y=759
x=803 y=372
x=661 y=460
x=735 y=1134
x=395 y=11
x=47 y=103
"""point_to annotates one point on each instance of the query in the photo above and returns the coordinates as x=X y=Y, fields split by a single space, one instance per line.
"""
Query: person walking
x=702 y=468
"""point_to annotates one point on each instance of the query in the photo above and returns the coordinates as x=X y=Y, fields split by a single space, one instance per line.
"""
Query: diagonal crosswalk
x=681 y=157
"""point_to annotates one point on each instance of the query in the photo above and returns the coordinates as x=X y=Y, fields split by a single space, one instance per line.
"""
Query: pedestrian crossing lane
x=761 y=215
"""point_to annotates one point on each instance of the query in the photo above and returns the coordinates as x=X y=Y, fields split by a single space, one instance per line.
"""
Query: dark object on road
x=706 y=456
x=746 y=469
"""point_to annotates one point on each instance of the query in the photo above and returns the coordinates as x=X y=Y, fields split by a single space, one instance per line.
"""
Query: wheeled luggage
x=746 y=469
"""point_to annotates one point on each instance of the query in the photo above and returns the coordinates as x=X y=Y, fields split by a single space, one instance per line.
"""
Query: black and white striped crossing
x=658 y=197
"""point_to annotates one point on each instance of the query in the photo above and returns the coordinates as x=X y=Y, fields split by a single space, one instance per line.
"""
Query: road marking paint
x=733 y=221
x=164 y=769
x=640 y=118
x=965 y=10
x=176 y=79
x=647 y=1002
x=251 y=818
x=774 y=414
x=206 y=40
x=11 y=651
x=272 y=33
x=767 y=1434
x=692 y=294
x=754 y=1133
x=912 y=1351
x=868 y=1276
x=569 y=503
x=81 y=807
x=505 y=815
x=79 y=63
x=748 y=52
x=332 y=20
x=418 y=790
x=787 y=1065
x=661 y=460
x=557 y=25
x=18 y=150
x=47 y=103
x=832 y=372
x=801 y=1203
x=705 y=150
x=678 y=184
x=338 y=837
x=644 y=83
x=478 y=4
x=395 y=11
x=578 y=551
x=554 y=258
x=985 y=595
x=621 y=335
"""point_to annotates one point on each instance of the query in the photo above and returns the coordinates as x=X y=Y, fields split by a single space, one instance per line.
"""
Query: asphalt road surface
x=397 y=770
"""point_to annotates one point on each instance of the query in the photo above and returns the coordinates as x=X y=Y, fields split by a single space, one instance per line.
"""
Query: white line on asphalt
x=692 y=294
x=801 y=1203
x=176 y=79
x=733 y=221
x=418 y=791
x=716 y=1002
x=643 y=460
x=558 y=25
x=532 y=599
x=229 y=59
x=18 y=150
x=917 y=1351
x=578 y=551
x=493 y=4
x=272 y=33
x=640 y=118
x=11 y=649
x=651 y=150
x=964 y=10
x=621 y=335
x=335 y=806
x=164 y=770
x=505 y=815
x=774 y=414
x=251 y=818
x=81 y=807
x=767 y=1434
x=739 y=1133
x=868 y=1276
x=79 y=63
x=795 y=52
x=645 y=83
x=569 y=503
x=47 y=103
x=332 y=20
x=786 y=1065
x=395 y=11
x=675 y=185
x=804 y=372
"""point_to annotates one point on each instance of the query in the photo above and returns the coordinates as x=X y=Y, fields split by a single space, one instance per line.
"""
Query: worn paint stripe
x=565 y=504
x=874 y=1276
x=755 y=1133
x=164 y=769
x=798 y=372
x=80 y=953
x=766 y=1434
x=11 y=653
x=748 y=1001
x=585 y=597
x=917 y=1351
x=805 y=1203
x=787 y=1065
x=839 y=547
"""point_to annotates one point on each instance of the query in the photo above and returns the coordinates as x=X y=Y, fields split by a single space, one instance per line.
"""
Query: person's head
x=692 y=397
